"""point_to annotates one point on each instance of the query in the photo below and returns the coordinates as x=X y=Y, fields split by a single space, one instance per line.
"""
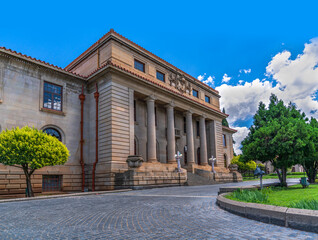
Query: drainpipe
x=96 y=96
x=82 y=99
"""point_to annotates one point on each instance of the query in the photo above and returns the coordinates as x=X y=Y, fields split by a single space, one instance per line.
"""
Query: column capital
x=189 y=112
x=170 y=104
x=151 y=98
x=203 y=116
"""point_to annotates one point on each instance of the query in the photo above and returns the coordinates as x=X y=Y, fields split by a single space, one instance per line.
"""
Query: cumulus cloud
x=226 y=78
x=239 y=137
x=294 y=80
x=246 y=71
x=209 y=81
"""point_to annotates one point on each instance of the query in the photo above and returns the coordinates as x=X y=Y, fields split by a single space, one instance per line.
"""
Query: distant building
x=146 y=107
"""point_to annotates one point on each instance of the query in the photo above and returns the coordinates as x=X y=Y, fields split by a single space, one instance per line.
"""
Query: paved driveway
x=165 y=213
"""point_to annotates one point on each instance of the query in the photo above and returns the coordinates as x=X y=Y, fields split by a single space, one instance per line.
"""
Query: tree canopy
x=31 y=149
x=279 y=134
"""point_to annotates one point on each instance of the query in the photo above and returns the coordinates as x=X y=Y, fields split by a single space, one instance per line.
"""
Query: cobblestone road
x=165 y=213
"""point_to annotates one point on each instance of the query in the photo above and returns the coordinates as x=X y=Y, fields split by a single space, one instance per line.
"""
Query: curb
x=300 y=219
x=63 y=196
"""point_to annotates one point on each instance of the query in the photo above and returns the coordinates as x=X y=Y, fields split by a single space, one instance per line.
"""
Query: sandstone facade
x=146 y=107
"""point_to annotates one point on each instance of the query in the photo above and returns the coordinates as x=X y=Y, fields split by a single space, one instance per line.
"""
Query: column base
x=172 y=161
x=154 y=160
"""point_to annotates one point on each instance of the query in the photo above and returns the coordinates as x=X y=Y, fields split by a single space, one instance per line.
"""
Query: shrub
x=243 y=167
x=306 y=204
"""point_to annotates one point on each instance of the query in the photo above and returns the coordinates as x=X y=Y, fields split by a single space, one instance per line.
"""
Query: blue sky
x=203 y=38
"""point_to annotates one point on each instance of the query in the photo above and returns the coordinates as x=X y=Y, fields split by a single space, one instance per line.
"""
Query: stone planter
x=233 y=168
x=134 y=161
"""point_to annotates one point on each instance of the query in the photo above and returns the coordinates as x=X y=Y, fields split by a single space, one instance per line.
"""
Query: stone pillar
x=171 y=140
x=190 y=143
x=151 y=130
x=203 y=145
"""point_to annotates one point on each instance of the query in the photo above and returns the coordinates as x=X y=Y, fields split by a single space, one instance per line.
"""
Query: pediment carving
x=180 y=83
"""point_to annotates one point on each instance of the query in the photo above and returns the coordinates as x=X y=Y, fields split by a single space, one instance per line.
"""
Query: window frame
x=52 y=95
x=194 y=90
x=164 y=76
x=144 y=65
x=207 y=97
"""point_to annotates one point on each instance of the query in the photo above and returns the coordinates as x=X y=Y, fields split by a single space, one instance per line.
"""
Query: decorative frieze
x=180 y=83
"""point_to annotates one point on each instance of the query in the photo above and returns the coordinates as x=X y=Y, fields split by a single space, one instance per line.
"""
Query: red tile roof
x=141 y=48
x=18 y=54
x=229 y=129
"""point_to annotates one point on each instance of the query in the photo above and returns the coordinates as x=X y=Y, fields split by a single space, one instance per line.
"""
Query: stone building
x=131 y=102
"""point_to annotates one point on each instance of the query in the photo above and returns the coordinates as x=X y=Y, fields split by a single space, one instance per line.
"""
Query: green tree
x=224 y=121
x=279 y=135
x=31 y=149
x=310 y=154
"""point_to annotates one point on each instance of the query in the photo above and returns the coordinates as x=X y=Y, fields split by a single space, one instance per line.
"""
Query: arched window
x=53 y=132
x=136 y=146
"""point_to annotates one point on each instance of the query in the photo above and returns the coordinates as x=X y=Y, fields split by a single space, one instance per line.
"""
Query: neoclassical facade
x=115 y=100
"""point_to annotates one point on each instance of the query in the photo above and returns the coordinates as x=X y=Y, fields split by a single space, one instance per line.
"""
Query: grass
x=294 y=196
x=274 y=176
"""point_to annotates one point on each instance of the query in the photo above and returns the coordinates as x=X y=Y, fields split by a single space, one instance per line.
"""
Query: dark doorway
x=199 y=156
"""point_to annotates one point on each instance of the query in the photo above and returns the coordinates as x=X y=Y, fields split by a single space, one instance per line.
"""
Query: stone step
x=195 y=180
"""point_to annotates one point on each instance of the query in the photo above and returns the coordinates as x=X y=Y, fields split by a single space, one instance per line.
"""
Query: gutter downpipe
x=82 y=99
x=96 y=96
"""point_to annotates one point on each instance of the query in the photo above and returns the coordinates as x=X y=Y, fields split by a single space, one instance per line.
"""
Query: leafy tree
x=31 y=149
x=310 y=153
x=224 y=121
x=279 y=135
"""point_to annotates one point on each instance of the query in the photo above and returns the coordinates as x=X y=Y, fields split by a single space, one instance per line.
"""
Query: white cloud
x=226 y=78
x=246 y=71
x=201 y=77
x=239 y=137
x=296 y=80
x=209 y=81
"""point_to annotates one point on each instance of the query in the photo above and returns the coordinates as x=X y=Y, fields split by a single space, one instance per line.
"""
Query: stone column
x=203 y=145
x=190 y=143
x=171 y=140
x=151 y=130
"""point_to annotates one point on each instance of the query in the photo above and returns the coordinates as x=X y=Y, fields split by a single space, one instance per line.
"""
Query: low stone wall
x=301 y=219
x=151 y=174
x=220 y=177
x=13 y=183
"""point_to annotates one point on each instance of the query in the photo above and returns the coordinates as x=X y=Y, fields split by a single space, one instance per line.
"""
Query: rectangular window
x=160 y=76
x=198 y=129
x=184 y=125
x=52 y=97
x=139 y=65
x=195 y=93
x=51 y=183
x=207 y=99
x=224 y=140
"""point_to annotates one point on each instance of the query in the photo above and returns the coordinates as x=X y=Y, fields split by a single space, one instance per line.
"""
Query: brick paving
x=165 y=213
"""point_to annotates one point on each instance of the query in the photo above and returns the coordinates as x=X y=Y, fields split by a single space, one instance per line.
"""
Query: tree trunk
x=284 y=177
x=29 y=191
x=311 y=172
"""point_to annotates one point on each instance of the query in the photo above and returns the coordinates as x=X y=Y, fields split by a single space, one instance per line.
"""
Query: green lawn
x=277 y=196
x=272 y=177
